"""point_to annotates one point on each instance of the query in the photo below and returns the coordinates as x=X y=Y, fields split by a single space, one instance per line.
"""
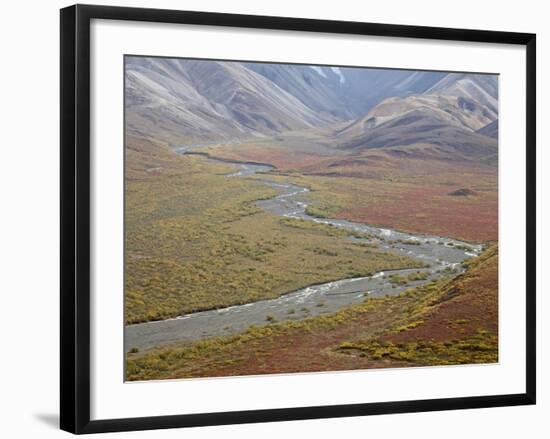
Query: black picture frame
x=75 y=217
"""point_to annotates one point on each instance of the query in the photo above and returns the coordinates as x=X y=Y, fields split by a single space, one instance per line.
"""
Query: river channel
x=441 y=256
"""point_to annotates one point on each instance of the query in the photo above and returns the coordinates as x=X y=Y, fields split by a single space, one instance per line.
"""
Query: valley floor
x=415 y=189
x=195 y=240
x=441 y=323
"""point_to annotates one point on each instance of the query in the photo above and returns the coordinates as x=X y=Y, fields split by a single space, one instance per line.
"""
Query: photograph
x=265 y=220
x=288 y=218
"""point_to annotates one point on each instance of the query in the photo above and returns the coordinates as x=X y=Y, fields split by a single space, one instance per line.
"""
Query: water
x=440 y=253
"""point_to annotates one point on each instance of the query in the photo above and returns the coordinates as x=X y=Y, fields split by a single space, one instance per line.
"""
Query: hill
x=448 y=116
x=448 y=322
x=189 y=102
x=344 y=92
x=179 y=100
x=491 y=129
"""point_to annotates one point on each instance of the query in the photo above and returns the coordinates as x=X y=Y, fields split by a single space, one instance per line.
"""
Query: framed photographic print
x=268 y=218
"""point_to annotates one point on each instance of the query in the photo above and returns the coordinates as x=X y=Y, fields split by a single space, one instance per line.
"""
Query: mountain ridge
x=188 y=101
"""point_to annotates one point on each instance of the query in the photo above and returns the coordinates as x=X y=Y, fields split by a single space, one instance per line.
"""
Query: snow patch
x=339 y=73
x=319 y=70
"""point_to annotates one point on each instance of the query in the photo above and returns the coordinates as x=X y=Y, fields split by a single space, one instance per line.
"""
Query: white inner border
x=112 y=398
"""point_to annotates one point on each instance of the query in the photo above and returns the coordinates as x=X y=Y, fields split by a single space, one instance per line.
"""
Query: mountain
x=187 y=101
x=319 y=89
x=453 y=110
x=344 y=92
x=450 y=114
x=425 y=127
x=368 y=87
x=200 y=101
x=481 y=88
x=491 y=130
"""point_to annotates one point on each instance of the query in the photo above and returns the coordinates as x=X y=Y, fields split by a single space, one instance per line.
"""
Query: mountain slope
x=425 y=127
x=457 y=111
x=491 y=129
x=449 y=115
x=186 y=101
x=201 y=101
x=481 y=88
x=319 y=89
x=368 y=87
x=344 y=92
